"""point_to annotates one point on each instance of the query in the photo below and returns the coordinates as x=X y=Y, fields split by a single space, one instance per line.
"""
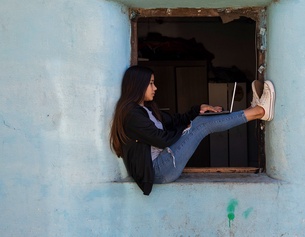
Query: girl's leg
x=170 y=163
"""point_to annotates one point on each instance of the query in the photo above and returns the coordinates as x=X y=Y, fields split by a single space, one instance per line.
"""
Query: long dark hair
x=134 y=84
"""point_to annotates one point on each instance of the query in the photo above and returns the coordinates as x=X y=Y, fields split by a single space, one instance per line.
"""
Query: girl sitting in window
x=156 y=146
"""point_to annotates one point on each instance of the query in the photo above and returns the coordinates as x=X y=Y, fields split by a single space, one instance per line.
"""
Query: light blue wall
x=286 y=67
x=61 y=64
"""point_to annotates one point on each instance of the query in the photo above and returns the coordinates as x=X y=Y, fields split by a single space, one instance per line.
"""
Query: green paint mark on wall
x=231 y=210
x=231 y=216
x=247 y=212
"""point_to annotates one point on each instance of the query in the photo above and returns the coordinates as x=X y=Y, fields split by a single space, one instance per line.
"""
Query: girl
x=156 y=146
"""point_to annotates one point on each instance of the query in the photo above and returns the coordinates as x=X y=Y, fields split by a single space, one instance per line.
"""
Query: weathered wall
x=61 y=65
x=286 y=67
x=60 y=68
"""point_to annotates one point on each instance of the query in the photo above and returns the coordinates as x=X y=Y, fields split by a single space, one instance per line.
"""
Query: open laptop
x=224 y=111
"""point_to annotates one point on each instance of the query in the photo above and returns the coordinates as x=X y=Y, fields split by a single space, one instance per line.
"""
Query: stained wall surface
x=61 y=64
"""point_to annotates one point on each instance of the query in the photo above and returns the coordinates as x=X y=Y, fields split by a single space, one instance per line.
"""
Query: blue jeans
x=171 y=161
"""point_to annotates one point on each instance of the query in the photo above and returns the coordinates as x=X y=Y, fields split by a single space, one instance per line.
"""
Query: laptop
x=224 y=111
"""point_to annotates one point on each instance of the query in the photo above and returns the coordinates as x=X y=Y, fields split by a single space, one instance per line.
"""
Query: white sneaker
x=267 y=101
x=255 y=98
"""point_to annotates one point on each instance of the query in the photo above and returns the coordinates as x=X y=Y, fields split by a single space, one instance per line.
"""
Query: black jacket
x=143 y=134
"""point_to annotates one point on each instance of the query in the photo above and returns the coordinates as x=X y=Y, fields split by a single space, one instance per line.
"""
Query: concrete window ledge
x=213 y=183
x=223 y=178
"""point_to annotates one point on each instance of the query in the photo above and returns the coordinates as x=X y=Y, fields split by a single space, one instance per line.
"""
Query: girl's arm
x=171 y=122
x=140 y=128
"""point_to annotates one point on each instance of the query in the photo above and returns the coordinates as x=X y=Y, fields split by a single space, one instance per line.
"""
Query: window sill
x=221 y=178
x=221 y=170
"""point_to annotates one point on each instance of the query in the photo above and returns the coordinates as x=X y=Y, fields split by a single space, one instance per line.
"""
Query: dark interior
x=196 y=60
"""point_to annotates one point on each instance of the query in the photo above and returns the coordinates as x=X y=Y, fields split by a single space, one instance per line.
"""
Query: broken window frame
x=257 y=14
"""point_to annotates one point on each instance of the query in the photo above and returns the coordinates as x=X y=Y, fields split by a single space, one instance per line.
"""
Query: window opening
x=195 y=60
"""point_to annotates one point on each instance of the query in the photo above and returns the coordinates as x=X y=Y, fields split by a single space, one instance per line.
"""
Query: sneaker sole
x=272 y=101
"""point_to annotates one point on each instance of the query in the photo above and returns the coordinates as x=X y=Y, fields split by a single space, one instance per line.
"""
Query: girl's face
x=151 y=90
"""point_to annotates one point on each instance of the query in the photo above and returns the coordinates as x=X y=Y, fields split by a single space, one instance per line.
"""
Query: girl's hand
x=204 y=108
